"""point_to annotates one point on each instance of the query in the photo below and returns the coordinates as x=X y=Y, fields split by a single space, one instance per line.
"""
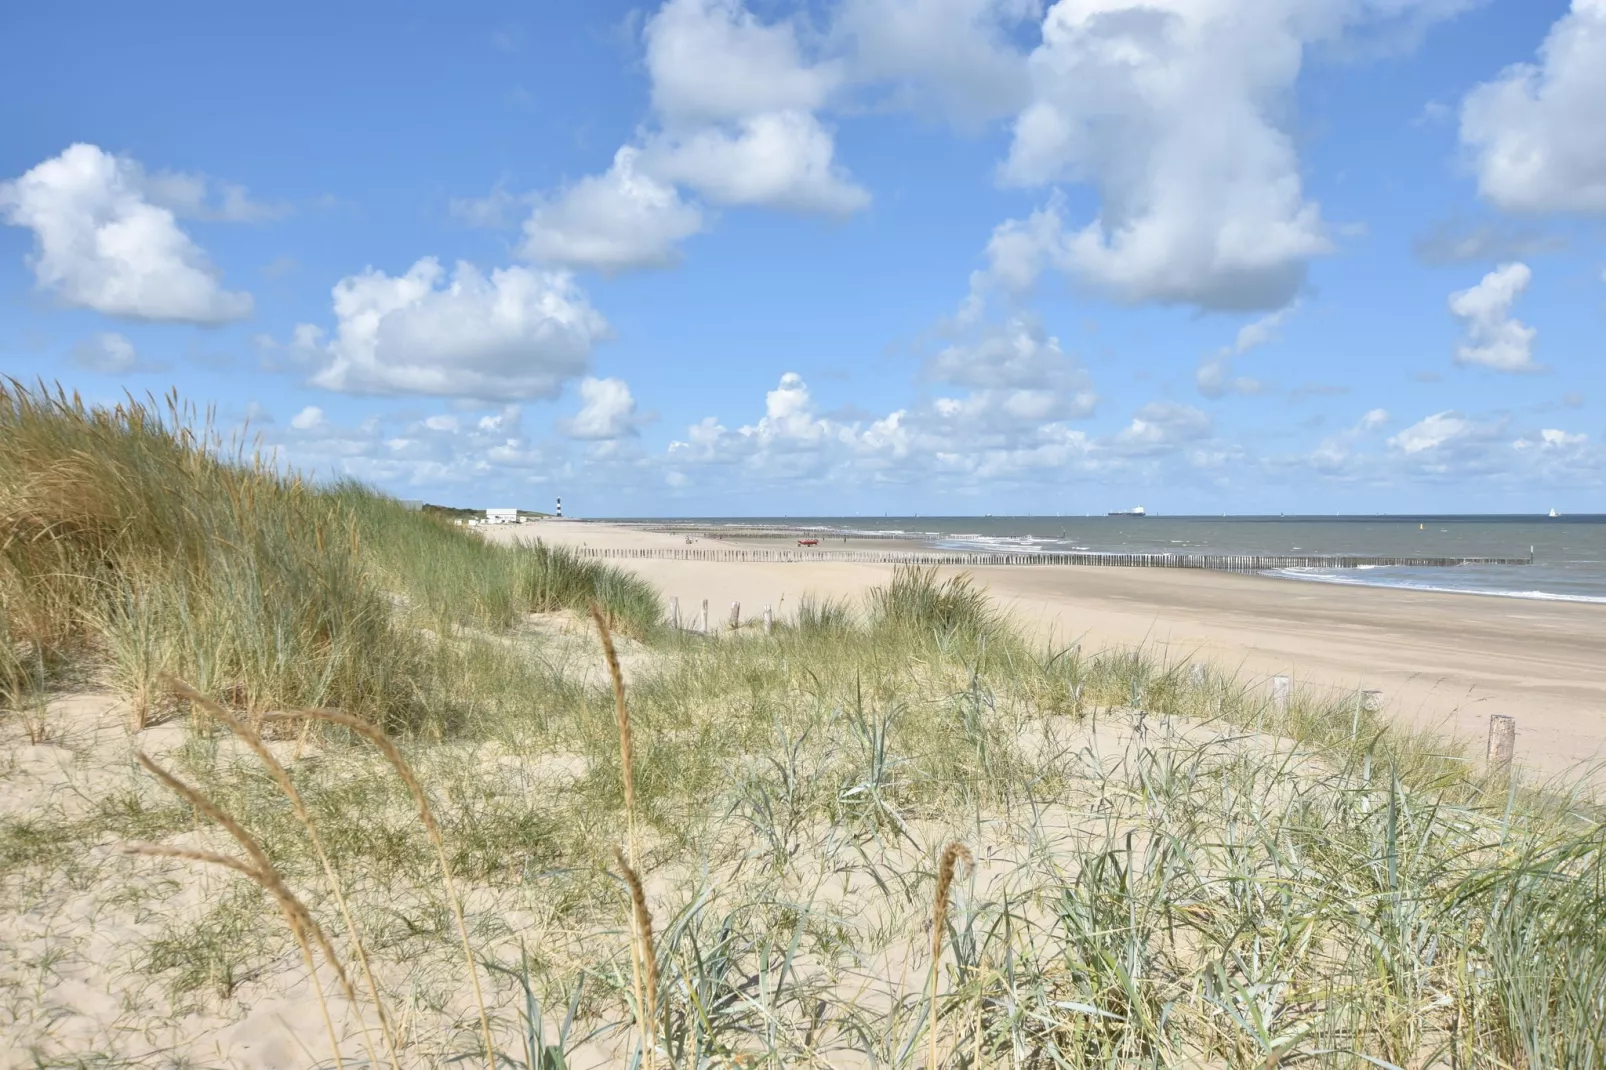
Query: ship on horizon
x=1136 y=510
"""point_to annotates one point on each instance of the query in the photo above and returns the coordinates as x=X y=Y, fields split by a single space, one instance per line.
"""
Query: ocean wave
x=1016 y=544
x=1326 y=576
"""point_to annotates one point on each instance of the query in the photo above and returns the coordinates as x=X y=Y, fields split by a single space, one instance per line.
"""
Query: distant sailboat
x=1554 y=514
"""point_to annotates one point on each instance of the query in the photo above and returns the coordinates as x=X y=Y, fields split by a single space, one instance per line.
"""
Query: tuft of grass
x=223 y=949
x=916 y=600
x=824 y=617
x=553 y=577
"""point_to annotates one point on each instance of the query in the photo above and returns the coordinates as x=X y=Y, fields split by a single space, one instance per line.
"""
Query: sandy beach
x=1444 y=661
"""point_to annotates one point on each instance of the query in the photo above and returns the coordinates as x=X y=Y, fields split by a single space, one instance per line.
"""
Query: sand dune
x=1446 y=661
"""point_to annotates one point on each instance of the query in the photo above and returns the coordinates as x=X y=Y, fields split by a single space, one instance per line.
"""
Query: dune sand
x=1445 y=661
x=75 y=987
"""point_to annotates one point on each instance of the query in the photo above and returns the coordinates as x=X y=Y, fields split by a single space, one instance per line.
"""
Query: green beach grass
x=1168 y=870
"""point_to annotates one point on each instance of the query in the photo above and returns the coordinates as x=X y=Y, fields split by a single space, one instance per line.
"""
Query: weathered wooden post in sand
x=1196 y=674
x=674 y=612
x=736 y=615
x=1502 y=742
x=769 y=619
x=702 y=619
x=1365 y=702
x=1281 y=688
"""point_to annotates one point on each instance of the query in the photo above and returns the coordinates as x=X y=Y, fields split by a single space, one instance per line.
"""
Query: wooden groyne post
x=1502 y=742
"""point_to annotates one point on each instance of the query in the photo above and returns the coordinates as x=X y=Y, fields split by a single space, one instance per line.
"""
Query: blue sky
x=713 y=257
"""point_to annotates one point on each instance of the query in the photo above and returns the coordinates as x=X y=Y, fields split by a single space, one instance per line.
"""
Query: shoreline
x=1341 y=566
x=1444 y=664
x=1527 y=596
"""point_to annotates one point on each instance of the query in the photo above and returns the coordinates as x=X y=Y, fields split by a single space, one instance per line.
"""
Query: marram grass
x=137 y=535
x=1168 y=870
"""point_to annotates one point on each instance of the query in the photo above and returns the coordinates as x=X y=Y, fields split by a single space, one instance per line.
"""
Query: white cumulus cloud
x=1174 y=110
x=1433 y=432
x=948 y=57
x=308 y=419
x=714 y=61
x=442 y=451
x=1494 y=338
x=792 y=439
x=1019 y=353
x=611 y=222
x=108 y=353
x=1553 y=438
x=1003 y=433
x=735 y=121
x=102 y=242
x=516 y=333
x=737 y=100
x=1161 y=425
x=1019 y=378
x=609 y=411
x=1535 y=131
x=777 y=159
x=1214 y=374
x=1335 y=453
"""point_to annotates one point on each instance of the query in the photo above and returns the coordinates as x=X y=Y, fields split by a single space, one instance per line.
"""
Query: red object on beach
x=808 y=542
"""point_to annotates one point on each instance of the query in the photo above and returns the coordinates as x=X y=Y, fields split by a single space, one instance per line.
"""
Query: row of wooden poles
x=1502 y=744
x=700 y=625
x=1220 y=562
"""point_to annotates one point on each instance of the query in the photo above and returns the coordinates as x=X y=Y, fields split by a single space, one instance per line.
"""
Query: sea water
x=1569 y=553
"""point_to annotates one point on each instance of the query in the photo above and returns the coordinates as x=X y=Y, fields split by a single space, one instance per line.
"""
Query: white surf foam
x=1325 y=576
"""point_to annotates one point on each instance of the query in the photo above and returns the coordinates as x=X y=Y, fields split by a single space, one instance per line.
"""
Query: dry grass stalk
x=622 y=715
x=296 y=915
x=646 y=975
x=376 y=735
x=643 y=961
x=303 y=815
x=952 y=856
